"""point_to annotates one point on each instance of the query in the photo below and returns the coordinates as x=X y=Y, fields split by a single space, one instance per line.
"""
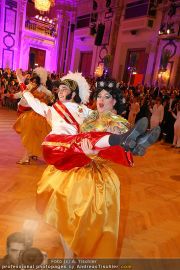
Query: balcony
x=172 y=36
x=41 y=27
x=140 y=23
x=139 y=15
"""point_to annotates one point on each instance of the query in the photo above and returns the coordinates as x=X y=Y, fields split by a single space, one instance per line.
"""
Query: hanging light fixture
x=43 y=5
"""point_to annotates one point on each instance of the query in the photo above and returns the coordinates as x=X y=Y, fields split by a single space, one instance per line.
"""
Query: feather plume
x=42 y=73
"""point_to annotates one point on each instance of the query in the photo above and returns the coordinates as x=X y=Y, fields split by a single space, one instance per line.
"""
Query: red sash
x=22 y=86
x=22 y=109
x=65 y=153
x=65 y=114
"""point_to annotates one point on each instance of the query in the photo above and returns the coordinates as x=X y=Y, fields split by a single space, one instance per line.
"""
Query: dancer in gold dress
x=32 y=127
x=83 y=203
x=81 y=200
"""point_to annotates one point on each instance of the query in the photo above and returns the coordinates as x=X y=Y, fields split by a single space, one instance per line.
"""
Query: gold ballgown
x=33 y=128
x=83 y=204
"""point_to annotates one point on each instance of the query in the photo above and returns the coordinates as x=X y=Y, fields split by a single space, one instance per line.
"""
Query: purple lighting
x=17 y=36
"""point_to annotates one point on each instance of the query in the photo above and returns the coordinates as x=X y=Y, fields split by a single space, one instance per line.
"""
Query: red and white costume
x=61 y=147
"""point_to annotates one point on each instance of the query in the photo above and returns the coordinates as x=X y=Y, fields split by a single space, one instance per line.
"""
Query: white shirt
x=59 y=125
x=157 y=113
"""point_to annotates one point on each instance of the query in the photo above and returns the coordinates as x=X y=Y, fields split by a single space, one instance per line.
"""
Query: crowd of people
x=159 y=105
x=76 y=124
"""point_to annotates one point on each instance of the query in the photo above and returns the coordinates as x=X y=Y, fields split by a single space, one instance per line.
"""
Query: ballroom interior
x=138 y=43
x=77 y=35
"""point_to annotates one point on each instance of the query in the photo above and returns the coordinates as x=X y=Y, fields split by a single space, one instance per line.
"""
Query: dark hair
x=56 y=84
x=36 y=78
x=26 y=82
x=116 y=94
x=159 y=99
x=17 y=237
x=76 y=98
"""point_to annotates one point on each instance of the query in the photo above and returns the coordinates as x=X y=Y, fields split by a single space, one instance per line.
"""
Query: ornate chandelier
x=43 y=5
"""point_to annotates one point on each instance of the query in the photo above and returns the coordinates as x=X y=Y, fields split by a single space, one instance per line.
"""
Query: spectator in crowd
x=146 y=97
x=170 y=120
x=176 y=141
x=144 y=109
x=164 y=126
x=157 y=113
x=134 y=109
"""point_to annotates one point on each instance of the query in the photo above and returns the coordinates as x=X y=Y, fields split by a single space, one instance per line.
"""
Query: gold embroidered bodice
x=108 y=122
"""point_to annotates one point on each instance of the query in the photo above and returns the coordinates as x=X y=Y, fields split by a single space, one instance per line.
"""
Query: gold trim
x=67 y=145
x=68 y=84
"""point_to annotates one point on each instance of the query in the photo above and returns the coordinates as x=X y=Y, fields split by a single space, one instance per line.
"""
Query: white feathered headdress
x=84 y=88
x=42 y=73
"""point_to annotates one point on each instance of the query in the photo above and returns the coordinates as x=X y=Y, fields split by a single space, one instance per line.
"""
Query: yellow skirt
x=33 y=128
x=83 y=204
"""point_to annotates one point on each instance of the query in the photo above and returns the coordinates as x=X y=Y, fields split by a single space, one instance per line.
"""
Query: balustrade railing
x=40 y=28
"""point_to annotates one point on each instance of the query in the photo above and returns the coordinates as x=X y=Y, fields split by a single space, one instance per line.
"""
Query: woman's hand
x=18 y=72
x=86 y=146
x=48 y=116
x=19 y=75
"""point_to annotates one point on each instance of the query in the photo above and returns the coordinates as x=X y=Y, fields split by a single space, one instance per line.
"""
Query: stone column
x=57 y=48
x=9 y=33
x=70 y=41
x=62 y=25
x=22 y=5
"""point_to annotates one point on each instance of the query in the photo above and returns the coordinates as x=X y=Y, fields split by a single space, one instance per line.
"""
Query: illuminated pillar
x=9 y=33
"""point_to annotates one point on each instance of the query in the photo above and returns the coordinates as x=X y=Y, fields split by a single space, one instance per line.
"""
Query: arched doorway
x=36 y=58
